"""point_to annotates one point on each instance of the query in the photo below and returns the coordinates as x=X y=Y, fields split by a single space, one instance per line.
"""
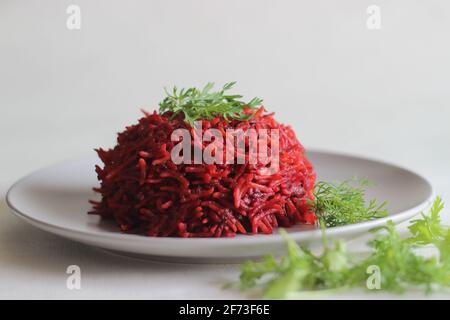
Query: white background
x=381 y=93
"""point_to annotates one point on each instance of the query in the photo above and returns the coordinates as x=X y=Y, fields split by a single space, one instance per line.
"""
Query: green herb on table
x=429 y=229
x=198 y=104
x=338 y=204
x=301 y=272
x=401 y=266
x=298 y=272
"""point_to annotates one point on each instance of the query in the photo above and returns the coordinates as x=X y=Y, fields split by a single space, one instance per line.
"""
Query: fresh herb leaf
x=202 y=104
x=429 y=229
x=338 y=204
x=251 y=271
x=301 y=272
x=401 y=267
x=444 y=249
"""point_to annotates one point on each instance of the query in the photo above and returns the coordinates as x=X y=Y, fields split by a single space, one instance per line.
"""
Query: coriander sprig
x=429 y=229
x=202 y=104
x=301 y=273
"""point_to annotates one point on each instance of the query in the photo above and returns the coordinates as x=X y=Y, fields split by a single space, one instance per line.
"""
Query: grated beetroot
x=146 y=193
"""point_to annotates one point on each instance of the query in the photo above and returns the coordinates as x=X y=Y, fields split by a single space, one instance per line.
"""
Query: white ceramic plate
x=55 y=199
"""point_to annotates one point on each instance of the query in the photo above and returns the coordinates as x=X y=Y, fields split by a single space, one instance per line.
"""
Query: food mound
x=146 y=192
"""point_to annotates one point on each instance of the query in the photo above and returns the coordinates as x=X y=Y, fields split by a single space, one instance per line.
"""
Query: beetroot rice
x=146 y=193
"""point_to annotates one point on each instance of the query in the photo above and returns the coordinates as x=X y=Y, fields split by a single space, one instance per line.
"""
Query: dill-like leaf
x=204 y=104
x=338 y=204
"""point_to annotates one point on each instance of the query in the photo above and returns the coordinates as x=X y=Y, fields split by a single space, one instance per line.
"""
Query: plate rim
x=241 y=239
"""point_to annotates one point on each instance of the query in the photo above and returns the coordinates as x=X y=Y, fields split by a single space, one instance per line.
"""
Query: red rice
x=146 y=193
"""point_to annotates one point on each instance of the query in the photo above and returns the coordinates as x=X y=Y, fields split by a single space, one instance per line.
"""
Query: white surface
x=56 y=199
x=381 y=93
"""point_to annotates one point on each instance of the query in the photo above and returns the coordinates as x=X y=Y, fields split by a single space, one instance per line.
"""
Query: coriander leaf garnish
x=428 y=230
x=444 y=249
x=401 y=267
x=204 y=104
x=300 y=270
x=301 y=273
x=338 y=204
